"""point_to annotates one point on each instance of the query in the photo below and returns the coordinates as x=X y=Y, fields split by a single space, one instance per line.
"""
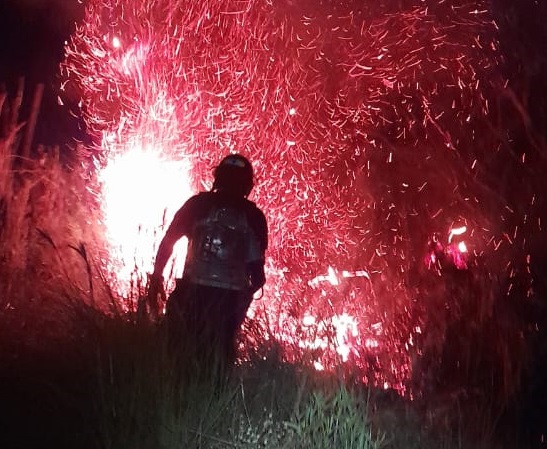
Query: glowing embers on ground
x=346 y=337
x=343 y=327
x=341 y=324
x=333 y=277
x=141 y=191
x=455 y=252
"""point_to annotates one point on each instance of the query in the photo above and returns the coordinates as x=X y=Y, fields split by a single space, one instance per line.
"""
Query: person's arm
x=257 y=275
x=177 y=228
x=165 y=249
x=175 y=231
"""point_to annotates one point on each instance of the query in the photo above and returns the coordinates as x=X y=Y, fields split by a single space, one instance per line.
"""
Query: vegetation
x=78 y=372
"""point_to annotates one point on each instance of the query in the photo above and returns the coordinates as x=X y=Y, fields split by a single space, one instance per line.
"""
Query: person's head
x=234 y=175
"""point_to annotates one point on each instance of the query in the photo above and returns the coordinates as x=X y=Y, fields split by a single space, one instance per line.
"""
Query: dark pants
x=203 y=322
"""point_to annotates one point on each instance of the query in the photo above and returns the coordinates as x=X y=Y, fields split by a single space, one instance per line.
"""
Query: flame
x=456 y=231
x=346 y=327
x=141 y=193
x=455 y=252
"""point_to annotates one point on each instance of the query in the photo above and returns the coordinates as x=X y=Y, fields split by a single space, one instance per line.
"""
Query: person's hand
x=156 y=295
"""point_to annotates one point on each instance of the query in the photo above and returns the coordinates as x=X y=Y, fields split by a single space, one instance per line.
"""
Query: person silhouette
x=224 y=267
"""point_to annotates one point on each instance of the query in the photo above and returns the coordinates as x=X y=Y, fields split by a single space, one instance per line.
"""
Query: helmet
x=234 y=174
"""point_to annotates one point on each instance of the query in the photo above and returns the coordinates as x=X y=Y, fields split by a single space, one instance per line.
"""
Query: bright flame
x=456 y=231
x=141 y=193
x=346 y=328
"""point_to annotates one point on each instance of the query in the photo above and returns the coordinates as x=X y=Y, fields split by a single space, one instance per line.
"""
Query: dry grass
x=116 y=373
x=47 y=211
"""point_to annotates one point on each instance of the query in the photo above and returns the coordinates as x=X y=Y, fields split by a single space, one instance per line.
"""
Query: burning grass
x=81 y=370
x=378 y=127
x=76 y=374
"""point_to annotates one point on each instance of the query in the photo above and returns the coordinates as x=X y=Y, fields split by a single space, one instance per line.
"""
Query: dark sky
x=32 y=33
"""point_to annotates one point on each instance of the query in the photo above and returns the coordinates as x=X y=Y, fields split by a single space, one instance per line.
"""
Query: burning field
x=399 y=158
x=376 y=134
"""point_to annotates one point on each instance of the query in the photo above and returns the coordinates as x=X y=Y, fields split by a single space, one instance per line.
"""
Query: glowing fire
x=351 y=114
x=456 y=231
x=141 y=193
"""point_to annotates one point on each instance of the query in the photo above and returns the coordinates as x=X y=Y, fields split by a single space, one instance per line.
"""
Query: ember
x=361 y=121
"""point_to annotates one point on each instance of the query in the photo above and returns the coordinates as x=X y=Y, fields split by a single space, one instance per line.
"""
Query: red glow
x=347 y=113
x=456 y=231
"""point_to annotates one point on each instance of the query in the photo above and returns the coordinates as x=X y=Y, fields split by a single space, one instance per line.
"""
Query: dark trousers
x=203 y=322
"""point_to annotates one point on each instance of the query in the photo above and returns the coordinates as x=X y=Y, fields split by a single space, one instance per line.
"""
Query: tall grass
x=81 y=374
x=132 y=391
x=48 y=229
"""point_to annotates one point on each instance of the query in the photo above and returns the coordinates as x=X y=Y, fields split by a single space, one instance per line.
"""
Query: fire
x=456 y=231
x=346 y=329
x=454 y=253
x=352 y=116
x=141 y=193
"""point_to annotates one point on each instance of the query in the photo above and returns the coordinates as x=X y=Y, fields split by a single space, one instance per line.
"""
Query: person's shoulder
x=252 y=206
x=255 y=211
x=200 y=197
x=204 y=194
x=196 y=201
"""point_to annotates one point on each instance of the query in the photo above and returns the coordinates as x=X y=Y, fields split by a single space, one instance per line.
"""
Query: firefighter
x=227 y=240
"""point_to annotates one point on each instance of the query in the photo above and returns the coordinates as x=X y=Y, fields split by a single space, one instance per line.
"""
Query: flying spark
x=355 y=116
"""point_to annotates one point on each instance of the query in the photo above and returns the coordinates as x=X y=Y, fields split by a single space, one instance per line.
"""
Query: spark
x=456 y=231
x=337 y=111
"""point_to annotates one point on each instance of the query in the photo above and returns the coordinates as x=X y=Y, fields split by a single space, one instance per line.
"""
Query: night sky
x=32 y=33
